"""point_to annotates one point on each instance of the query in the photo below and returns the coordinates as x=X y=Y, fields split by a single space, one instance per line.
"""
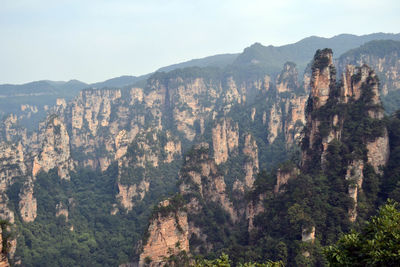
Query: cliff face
x=55 y=150
x=168 y=234
x=251 y=166
x=295 y=119
x=225 y=137
x=275 y=123
x=288 y=79
x=323 y=77
x=12 y=166
x=358 y=98
x=200 y=174
x=385 y=62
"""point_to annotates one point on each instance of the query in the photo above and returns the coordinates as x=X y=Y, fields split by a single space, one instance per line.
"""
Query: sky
x=94 y=40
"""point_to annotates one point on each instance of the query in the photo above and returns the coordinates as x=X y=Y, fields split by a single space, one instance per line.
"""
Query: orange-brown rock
x=251 y=167
x=322 y=78
x=27 y=203
x=274 y=123
x=127 y=193
x=355 y=175
x=62 y=210
x=386 y=64
x=55 y=149
x=308 y=234
x=168 y=235
x=287 y=80
x=295 y=119
x=225 y=137
x=378 y=152
x=200 y=173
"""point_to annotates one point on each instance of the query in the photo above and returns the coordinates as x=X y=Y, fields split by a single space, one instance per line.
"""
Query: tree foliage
x=378 y=243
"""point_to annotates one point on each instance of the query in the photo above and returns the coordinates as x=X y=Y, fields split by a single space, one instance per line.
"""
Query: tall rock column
x=323 y=79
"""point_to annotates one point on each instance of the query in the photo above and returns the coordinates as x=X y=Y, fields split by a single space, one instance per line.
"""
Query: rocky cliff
x=385 y=62
x=288 y=79
x=55 y=149
x=332 y=113
x=12 y=167
x=168 y=234
x=225 y=137
x=200 y=174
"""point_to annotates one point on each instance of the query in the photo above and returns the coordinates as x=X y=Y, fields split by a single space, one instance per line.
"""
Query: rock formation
x=287 y=81
x=358 y=93
x=295 y=119
x=385 y=62
x=127 y=194
x=27 y=203
x=251 y=166
x=275 y=123
x=200 y=174
x=168 y=234
x=55 y=150
x=225 y=137
x=355 y=175
x=323 y=77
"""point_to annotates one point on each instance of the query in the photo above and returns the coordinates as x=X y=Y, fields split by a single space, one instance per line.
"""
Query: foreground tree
x=378 y=244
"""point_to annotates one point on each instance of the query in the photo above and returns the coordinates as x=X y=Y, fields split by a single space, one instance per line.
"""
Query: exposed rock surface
x=323 y=77
x=308 y=235
x=295 y=119
x=28 y=203
x=200 y=174
x=225 y=137
x=386 y=63
x=378 y=152
x=288 y=79
x=251 y=166
x=62 y=210
x=355 y=175
x=275 y=123
x=359 y=88
x=55 y=150
x=127 y=193
x=168 y=234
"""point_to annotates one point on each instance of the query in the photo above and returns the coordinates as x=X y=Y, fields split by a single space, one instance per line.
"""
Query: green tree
x=378 y=244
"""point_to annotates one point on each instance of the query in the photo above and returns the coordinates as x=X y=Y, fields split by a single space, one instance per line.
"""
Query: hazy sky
x=94 y=40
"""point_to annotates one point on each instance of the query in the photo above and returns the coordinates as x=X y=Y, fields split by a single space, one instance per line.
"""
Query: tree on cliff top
x=378 y=244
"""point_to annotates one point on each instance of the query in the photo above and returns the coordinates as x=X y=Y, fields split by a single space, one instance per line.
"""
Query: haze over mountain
x=36 y=96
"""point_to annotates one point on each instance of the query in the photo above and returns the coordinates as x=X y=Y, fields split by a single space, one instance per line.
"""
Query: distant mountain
x=220 y=61
x=39 y=88
x=270 y=59
x=376 y=48
x=120 y=81
x=254 y=60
